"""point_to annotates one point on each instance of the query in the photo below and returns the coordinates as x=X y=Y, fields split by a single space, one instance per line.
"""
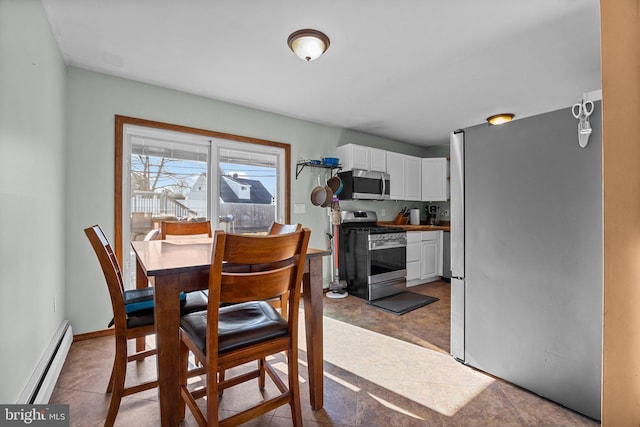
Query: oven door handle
x=377 y=246
x=384 y=185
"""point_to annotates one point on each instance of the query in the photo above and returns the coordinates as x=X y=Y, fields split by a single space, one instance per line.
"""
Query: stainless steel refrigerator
x=527 y=255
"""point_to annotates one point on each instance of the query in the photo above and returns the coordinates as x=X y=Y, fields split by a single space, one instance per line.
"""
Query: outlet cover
x=299 y=208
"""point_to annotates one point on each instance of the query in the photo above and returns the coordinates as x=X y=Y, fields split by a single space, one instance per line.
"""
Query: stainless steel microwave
x=360 y=184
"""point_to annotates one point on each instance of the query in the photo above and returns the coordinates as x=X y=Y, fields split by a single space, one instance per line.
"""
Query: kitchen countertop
x=421 y=227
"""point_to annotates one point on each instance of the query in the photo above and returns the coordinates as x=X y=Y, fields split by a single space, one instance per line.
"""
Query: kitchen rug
x=403 y=302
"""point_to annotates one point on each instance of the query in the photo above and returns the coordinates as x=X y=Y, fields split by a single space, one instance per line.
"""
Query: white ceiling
x=410 y=70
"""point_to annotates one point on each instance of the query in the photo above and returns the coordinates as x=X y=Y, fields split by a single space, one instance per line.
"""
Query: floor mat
x=403 y=302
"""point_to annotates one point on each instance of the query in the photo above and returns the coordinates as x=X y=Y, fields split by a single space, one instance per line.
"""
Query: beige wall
x=620 y=29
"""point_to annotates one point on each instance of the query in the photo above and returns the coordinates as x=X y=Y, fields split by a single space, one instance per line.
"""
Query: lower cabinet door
x=414 y=270
x=429 y=259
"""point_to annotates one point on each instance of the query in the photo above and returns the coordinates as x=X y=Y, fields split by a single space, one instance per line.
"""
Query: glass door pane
x=168 y=184
x=167 y=180
x=248 y=190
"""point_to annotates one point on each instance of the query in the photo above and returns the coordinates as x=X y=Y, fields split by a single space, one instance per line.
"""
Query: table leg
x=312 y=297
x=167 y=319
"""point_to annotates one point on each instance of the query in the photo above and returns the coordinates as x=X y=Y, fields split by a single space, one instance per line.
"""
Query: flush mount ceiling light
x=499 y=119
x=308 y=44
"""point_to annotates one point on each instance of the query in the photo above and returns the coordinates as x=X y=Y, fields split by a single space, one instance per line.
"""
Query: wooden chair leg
x=213 y=394
x=220 y=379
x=261 y=379
x=141 y=344
x=119 y=373
x=110 y=385
x=294 y=389
x=184 y=370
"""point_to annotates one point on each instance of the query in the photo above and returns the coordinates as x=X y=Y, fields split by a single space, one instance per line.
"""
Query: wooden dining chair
x=282 y=300
x=185 y=228
x=133 y=317
x=250 y=329
x=278 y=228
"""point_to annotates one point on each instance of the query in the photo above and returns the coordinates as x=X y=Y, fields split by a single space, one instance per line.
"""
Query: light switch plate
x=299 y=208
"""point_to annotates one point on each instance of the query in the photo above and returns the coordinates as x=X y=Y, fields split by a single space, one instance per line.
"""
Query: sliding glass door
x=166 y=172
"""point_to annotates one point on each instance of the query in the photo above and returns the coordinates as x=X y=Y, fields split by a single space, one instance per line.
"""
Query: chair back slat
x=264 y=285
x=278 y=228
x=185 y=228
x=256 y=249
x=112 y=273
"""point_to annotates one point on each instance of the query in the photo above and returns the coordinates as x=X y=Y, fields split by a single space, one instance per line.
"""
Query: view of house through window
x=167 y=176
x=247 y=189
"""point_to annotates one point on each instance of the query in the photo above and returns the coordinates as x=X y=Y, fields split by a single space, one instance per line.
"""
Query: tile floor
x=380 y=370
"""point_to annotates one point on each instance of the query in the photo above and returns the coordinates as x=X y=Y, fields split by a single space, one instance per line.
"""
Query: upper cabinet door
x=395 y=169
x=378 y=160
x=359 y=157
x=412 y=178
x=354 y=156
x=434 y=179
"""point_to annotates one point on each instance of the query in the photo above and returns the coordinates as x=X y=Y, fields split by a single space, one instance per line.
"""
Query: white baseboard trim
x=43 y=380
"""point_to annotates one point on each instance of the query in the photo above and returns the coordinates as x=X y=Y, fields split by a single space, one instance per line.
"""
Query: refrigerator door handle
x=457 y=204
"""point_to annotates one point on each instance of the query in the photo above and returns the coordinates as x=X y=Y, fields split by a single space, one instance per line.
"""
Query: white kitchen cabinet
x=377 y=160
x=424 y=257
x=413 y=174
x=354 y=156
x=429 y=259
x=431 y=245
x=414 y=257
x=395 y=169
x=435 y=179
x=404 y=173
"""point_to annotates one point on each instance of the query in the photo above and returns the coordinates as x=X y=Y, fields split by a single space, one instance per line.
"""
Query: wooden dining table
x=174 y=266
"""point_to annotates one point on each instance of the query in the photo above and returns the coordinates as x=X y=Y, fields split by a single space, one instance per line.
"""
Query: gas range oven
x=371 y=259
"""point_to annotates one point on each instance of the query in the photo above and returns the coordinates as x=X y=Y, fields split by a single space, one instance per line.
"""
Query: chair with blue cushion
x=132 y=318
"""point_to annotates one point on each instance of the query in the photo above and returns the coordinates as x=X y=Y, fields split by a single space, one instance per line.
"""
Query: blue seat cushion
x=139 y=308
x=142 y=299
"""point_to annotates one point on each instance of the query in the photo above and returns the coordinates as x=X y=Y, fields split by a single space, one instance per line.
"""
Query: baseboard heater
x=40 y=386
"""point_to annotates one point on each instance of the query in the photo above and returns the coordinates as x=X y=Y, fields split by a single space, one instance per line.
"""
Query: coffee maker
x=433 y=214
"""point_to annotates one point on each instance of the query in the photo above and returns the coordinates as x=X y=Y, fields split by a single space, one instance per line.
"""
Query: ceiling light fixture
x=499 y=119
x=308 y=44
